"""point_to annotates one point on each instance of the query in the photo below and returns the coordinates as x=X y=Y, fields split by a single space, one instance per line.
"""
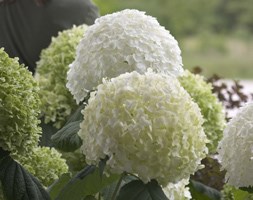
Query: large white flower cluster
x=178 y=191
x=122 y=42
x=236 y=148
x=147 y=125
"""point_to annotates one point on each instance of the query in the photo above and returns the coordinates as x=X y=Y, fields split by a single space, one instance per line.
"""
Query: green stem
x=115 y=192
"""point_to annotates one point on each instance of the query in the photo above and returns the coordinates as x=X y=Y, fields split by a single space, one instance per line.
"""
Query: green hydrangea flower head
x=211 y=108
x=227 y=192
x=19 y=106
x=146 y=124
x=44 y=163
x=51 y=72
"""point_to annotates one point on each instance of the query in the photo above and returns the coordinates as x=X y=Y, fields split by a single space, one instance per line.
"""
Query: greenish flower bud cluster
x=19 y=106
x=57 y=102
x=211 y=108
x=44 y=163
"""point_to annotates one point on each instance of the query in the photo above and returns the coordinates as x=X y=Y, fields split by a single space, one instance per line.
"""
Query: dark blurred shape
x=211 y=175
x=231 y=95
x=197 y=70
x=27 y=26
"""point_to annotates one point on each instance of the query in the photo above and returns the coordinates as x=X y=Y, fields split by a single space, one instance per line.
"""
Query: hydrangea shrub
x=122 y=42
x=211 y=108
x=51 y=72
x=235 y=149
x=19 y=106
x=147 y=125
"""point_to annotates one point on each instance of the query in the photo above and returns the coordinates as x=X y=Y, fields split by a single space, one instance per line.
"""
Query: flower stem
x=115 y=192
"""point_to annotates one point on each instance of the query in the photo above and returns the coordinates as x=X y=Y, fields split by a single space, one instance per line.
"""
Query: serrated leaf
x=58 y=185
x=137 y=190
x=19 y=184
x=200 y=191
x=66 y=139
x=86 y=182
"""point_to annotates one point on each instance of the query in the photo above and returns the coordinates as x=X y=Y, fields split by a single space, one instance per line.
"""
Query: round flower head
x=44 y=163
x=211 y=108
x=122 y=42
x=19 y=106
x=178 y=191
x=236 y=148
x=51 y=73
x=147 y=125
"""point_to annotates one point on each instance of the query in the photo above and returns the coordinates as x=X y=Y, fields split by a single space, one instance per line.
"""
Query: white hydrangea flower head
x=236 y=148
x=178 y=191
x=122 y=42
x=147 y=124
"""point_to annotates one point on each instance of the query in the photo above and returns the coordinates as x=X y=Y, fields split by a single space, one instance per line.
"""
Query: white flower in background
x=235 y=149
x=122 y=42
x=178 y=191
x=147 y=125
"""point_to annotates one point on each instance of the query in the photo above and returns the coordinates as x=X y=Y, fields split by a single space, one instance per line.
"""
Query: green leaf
x=241 y=195
x=66 y=139
x=77 y=115
x=107 y=192
x=58 y=185
x=200 y=191
x=247 y=189
x=47 y=131
x=86 y=182
x=137 y=190
x=18 y=184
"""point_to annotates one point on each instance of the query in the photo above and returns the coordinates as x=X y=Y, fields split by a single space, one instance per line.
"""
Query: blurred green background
x=216 y=35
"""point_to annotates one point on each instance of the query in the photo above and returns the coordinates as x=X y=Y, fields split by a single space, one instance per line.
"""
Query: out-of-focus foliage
x=211 y=175
x=188 y=17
